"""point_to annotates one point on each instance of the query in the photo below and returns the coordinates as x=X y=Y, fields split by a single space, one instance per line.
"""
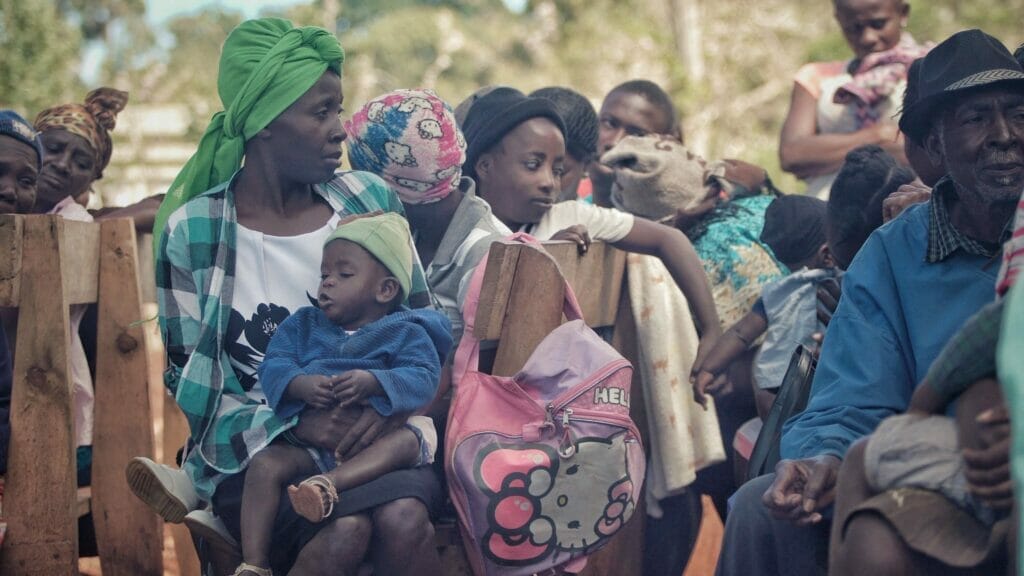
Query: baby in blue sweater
x=358 y=346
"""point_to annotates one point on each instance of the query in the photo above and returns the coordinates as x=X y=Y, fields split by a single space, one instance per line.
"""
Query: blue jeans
x=756 y=543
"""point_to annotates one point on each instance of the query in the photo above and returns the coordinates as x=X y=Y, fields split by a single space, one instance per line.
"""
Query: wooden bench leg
x=40 y=500
x=128 y=534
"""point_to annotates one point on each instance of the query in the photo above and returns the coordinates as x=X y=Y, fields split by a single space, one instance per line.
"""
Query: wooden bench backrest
x=523 y=290
x=49 y=263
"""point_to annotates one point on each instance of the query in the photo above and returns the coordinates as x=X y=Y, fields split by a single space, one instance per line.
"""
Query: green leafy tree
x=40 y=56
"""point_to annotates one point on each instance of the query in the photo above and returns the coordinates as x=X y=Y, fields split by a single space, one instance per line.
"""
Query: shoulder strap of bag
x=790 y=400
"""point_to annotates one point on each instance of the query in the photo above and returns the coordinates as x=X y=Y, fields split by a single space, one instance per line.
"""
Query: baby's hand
x=354 y=386
x=312 y=389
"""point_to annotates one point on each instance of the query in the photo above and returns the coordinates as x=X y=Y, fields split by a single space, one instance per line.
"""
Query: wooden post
x=40 y=500
x=128 y=534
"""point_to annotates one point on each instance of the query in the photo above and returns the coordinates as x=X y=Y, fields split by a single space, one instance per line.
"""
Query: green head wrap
x=265 y=66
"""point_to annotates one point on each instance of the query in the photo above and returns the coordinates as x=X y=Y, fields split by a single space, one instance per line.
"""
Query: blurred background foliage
x=728 y=64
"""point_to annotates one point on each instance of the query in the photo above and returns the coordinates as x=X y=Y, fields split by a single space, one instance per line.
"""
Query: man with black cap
x=911 y=287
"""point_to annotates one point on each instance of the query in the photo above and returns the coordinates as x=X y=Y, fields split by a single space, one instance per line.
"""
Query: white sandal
x=257 y=570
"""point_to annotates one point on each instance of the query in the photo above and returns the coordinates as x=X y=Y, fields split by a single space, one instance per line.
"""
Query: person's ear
x=933 y=146
x=825 y=257
x=484 y=167
x=904 y=13
x=264 y=134
x=388 y=290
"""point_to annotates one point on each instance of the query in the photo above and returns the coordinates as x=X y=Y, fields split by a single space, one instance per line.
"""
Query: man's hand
x=905 y=196
x=802 y=488
x=354 y=386
x=312 y=389
x=576 y=233
x=365 y=431
x=988 y=468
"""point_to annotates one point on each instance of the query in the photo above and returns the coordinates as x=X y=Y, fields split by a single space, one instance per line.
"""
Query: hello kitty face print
x=541 y=503
x=411 y=140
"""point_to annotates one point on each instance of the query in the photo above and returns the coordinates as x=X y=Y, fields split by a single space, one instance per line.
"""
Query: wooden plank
x=81 y=249
x=147 y=268
x=534 y=309
x=40 y=499
x=128 y=534
x=595 y=277
x=80 y=243
x=11 y=231
x=494 y=292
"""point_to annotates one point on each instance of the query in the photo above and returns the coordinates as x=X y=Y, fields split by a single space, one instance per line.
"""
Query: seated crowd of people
x=310 y=315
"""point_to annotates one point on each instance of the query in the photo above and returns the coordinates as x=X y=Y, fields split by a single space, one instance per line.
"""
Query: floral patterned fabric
x=737 y=263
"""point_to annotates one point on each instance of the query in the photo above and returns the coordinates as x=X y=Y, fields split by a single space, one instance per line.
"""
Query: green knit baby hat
x=385 y=236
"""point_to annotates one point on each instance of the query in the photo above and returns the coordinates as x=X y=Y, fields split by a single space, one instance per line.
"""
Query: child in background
x=794 y=228
x=580 y=136
x=853 y=211
x=868 y=176
x=358 y=346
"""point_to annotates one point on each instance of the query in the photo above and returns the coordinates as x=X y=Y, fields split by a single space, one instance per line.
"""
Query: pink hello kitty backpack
x=546 y=466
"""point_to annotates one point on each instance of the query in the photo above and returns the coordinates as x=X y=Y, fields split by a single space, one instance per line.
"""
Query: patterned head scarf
x=92 y=120
x=14 y=126
x=410 y=139
x=265 y=66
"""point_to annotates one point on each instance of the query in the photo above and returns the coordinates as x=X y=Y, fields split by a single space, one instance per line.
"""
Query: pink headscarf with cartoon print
x=411 y=140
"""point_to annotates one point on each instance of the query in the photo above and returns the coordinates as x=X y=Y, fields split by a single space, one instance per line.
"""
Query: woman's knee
x=404 y=522
x=339 y=547
x=357 y=527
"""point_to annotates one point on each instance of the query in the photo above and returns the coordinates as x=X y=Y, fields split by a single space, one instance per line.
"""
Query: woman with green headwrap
x=238 y=251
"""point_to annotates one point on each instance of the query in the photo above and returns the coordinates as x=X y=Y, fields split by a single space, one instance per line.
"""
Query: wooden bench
x=47 y=265
x=521 y=303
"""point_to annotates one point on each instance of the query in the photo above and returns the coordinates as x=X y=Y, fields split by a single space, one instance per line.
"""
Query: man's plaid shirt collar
x=943 y=238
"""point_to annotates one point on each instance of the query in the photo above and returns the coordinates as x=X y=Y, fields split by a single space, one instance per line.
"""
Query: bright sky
x=158 y=11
